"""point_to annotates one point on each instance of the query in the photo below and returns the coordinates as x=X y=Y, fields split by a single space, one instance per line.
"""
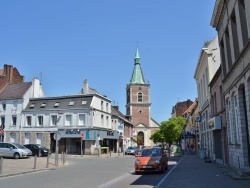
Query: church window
x=139 y=97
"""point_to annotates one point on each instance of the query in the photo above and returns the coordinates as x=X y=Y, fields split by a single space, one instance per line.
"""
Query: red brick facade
x=10 y=75
x=140 y=111
x=181 y=107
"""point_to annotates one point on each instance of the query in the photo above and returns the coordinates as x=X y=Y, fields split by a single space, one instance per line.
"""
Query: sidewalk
x=27 y=165
x=191 y=171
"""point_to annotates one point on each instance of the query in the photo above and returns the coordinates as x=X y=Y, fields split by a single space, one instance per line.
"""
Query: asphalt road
x=87 y=172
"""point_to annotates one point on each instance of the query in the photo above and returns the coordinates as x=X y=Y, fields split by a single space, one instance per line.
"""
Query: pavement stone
x=191 y=171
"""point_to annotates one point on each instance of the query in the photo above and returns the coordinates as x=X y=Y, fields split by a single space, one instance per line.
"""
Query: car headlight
x=157 y=162
x=137 y=162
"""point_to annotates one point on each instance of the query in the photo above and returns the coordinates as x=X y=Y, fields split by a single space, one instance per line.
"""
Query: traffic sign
x=82 y=136
x=57 y=136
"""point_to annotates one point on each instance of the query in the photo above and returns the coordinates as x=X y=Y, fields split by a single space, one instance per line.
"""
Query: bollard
x=1 y=165
x=110 y=153
x=35 y=162
x=47 y=166
x=118 y=152
x=98 y=152
x=63 y=158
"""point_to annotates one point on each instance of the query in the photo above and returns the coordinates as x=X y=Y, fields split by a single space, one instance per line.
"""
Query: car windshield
x=42 y=147
x=154 y=152
x=20 y=146
x=132 y=147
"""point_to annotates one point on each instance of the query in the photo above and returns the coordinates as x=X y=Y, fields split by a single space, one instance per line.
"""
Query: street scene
x=113 y=94
x=115 y=172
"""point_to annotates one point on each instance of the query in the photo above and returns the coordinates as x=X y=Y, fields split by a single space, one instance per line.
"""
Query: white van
x=9 y=149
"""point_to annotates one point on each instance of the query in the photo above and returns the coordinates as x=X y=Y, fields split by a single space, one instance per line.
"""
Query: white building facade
x=82 y=121
x=13 y=99
x=208 y=64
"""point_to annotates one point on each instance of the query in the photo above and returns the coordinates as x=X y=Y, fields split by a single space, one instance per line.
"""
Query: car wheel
x=16 y=156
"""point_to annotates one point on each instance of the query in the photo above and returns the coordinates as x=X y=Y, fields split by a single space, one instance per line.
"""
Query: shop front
x=91 y=139
x=214 y=125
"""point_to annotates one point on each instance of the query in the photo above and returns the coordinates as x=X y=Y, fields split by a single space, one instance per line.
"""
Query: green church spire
x=137 y=76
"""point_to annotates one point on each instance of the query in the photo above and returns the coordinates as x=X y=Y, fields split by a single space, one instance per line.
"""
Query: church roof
x=137 y=76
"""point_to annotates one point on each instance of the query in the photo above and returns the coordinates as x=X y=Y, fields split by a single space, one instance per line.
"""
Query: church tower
x=138 y=104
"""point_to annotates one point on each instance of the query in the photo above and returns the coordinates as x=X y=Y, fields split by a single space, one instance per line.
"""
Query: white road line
x=108 y=184
x=159 y=184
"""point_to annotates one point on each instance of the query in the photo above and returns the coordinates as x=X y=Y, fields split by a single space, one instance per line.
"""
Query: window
x=102 y=120
x=14 y=120
x=107 y=107
x=4 y=106
x=40 y=120
x=236 y=119
x=230 y=120
x=139 y=97
x=243 y=22
x=84 y=102
x=43 y=105
x=228 y=50
x=28 y=120
x=101 y=105
x=107 y=121
x=56 y=104
x=54 y=120
x=32 y=105
x=2 y=122
x=68 y=119
x=71 y=103
x=234 y=35
x=81 y=119
x=14 y=105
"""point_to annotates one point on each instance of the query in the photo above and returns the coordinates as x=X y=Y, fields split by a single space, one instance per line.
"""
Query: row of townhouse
x=223 y=76
x=84 y=121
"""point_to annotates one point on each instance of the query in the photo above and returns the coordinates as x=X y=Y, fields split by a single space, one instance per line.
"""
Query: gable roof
x=115 y=112
x=15 y=91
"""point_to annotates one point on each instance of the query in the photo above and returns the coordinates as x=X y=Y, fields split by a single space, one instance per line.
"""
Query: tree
x=170 y=131
x=157 y=136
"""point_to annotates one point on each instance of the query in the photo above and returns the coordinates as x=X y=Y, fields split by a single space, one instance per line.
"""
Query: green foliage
x=170 y=130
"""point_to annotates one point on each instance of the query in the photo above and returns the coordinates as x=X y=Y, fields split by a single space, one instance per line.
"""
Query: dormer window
x=56 y=104
x=84 y=102
x=32 y=105
x=71 y=103
x=43 y=105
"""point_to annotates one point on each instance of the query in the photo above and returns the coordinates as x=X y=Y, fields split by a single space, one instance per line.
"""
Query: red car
x=151 y=159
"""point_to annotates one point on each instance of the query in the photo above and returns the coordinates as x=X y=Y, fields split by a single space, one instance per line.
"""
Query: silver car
x=9 y=149
x=131 y=150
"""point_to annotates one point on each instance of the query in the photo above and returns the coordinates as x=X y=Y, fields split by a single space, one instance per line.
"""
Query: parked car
x=131 y=150
x=151 y=159
x=38 y=149
x=9 y=149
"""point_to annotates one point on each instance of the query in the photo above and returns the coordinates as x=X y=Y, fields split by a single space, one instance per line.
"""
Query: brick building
x=138 y=106
x=180 y=108
x=9 y=75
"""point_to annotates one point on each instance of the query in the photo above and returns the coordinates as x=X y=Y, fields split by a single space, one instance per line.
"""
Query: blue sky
x=72 y=40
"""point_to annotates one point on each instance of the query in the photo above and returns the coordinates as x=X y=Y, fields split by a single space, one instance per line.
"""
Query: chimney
x=8 y=70
x=85 y=87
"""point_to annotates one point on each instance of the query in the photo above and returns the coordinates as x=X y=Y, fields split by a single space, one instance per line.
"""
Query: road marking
x=159 y=184
x=109 y=183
